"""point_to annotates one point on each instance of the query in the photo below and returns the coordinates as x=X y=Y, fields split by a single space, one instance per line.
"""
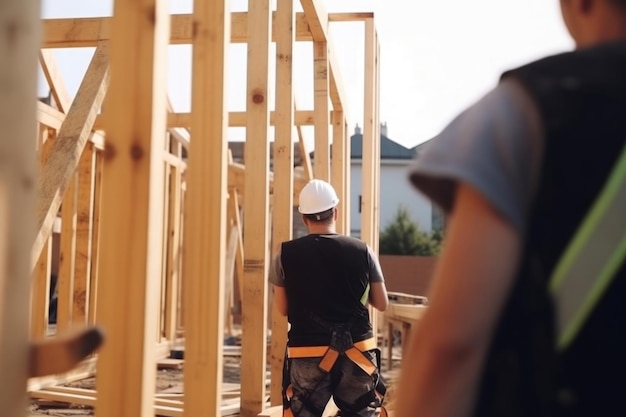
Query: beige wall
x=408 y=274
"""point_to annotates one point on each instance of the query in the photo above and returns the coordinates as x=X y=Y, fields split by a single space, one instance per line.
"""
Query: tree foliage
x=403 y=237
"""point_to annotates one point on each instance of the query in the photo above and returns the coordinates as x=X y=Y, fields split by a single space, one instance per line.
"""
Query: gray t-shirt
x=277 y=274
x=495 y=146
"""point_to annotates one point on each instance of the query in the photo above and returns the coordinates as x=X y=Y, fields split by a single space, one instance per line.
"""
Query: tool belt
x=329 y=354
x=340 y=343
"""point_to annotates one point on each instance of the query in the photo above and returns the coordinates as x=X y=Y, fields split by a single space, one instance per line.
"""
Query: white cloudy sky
x=437 y=56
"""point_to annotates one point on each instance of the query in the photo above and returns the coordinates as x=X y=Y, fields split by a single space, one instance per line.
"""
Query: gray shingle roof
x=388 y=148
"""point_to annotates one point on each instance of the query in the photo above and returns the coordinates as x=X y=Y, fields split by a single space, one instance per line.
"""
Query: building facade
x=395 y=189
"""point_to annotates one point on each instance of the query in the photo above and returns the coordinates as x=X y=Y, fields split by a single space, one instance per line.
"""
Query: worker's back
x=582 y=101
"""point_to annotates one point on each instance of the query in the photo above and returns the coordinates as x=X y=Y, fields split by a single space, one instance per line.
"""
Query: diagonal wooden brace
x=69 y=145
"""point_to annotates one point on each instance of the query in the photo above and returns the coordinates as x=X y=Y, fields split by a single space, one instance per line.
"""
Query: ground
x=168 y=379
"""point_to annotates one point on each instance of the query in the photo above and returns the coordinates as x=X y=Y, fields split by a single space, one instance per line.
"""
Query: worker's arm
x=280 y=299
x=441 y=369
x=378 y=296
x=277 y=279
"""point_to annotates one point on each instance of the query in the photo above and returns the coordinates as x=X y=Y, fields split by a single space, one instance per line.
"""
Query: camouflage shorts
x=352 y=389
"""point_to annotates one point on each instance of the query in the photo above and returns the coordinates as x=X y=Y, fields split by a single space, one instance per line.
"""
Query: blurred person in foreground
x=521 y=323
x=323 y=283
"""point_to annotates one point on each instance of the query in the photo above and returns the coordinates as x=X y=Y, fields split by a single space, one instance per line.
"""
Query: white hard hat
x=317 y=196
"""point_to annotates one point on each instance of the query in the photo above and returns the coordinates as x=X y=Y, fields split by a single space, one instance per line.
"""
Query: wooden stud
x=173 y=249
x=95 y=238
x=53 y=76
x=304 y=154
x=377 y=143
x=67 y=258
x=205 y=216
x=40 y=288
x=235 y=118
x=282 y=213
x=19 y=40
x=369 y=140
x=69 y=145
x=84 y=230
x=167 y=198
x=132 y=214
x=256 y=206
x=40 y=294
x=239 y=257
x=85 y=32
x=321 y=167
x=340 y=166
x=350 y=16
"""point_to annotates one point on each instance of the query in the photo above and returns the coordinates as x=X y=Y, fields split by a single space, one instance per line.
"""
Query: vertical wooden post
x=256 y=206
x=205 y=214
x=369 y=140
x=282 y=214
x=67 y=257
x=321 y=166
x=84 y=229
x=304 y=153
x=68 y=147
x=132 y=212
x=165 y=280
x=377 y=144
x=40 y=294
x=340 y=164
x=95 y=238
x=173 y=249
x=19 y=42
x=52 y=73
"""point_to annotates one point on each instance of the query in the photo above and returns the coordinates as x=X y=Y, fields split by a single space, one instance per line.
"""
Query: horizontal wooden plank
x=88 y=31
x=183 y=120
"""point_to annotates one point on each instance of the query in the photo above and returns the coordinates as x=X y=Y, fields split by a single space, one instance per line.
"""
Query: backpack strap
x=592 y=258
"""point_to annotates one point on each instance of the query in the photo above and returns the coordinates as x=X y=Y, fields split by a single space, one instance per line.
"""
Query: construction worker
x=527 y=311
x=323 y=283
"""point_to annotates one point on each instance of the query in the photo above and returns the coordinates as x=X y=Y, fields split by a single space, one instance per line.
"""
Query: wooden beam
x=235 y=119
x=95 y=238
x=305 y=156
x=340 y=166
x=321 y=166
x=49 y=116
x=174 y=251
x=282 y=213
x=67 y=257
x=369 y=139
x=205 y=216
x=256 y=206
x=84 y=230
x=350 y=16
x=234 y=207
x=377 y=144
x=69 y=145
x=40 y=288
x=53 y=76
x=317 y=18
x=19 y=39
x=132 y=208
x=232 y=245
x=86 y=32
x=40 y=294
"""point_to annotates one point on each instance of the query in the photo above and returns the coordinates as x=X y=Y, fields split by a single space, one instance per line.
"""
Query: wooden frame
x=133 y=188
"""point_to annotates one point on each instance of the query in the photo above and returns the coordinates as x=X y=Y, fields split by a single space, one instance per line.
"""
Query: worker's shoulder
x=594 y=60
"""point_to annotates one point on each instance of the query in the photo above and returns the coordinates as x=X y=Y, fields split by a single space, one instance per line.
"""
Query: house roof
x=388 y=148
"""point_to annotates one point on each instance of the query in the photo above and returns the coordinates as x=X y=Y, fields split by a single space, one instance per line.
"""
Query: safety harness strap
x=592 y=258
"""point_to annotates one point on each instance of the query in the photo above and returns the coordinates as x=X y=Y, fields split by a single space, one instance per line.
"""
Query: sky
x=437 y=56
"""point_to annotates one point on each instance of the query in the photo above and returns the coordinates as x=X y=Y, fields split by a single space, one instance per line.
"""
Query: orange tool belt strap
x=329 y=355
